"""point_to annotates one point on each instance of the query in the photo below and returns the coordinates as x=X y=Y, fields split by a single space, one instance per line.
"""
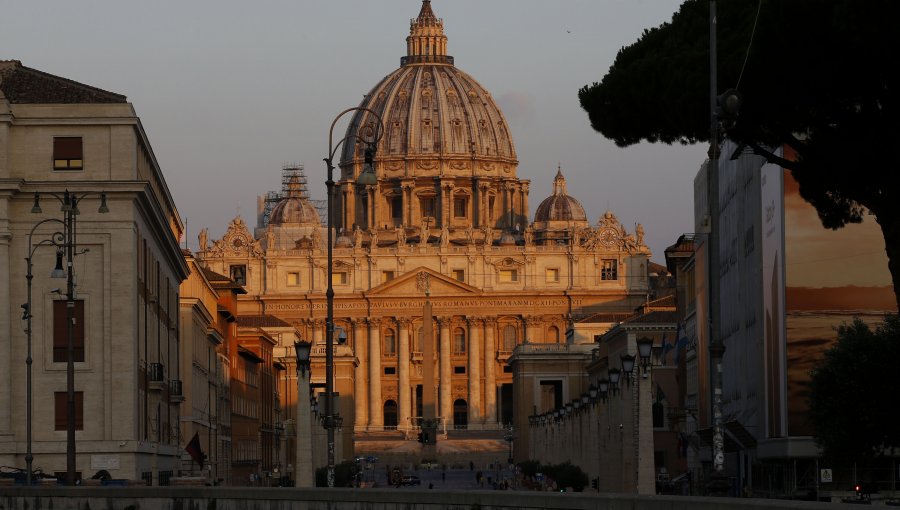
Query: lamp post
x=367 y=177
x=509 y=439
x=68 y=243
x=55 y=239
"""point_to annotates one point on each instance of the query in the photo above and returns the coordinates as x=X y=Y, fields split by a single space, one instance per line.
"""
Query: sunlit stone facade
x=448 y=203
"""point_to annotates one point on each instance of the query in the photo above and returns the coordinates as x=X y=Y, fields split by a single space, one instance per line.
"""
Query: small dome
x=507 y=239
x=559 y=206
x=343 y=241
x=295 y=208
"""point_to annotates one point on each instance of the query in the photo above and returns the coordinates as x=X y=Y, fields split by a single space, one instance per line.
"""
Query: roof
x=559 y=206
x=606 y=317
x=220 y=281
x=262 y=321
x=24 y=85
x=655 y=317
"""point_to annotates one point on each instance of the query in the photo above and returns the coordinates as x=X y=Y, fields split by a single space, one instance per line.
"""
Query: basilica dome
x=559 y=207
x=295 y=208
x=430 y=108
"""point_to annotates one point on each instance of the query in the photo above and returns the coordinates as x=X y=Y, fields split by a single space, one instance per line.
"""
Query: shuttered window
x=68 y=153
x=60 y=400
x=61 y=334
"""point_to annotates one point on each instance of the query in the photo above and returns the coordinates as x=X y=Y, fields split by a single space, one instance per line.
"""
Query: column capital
x=490 y=321
x=403 y=321
x=533 y=320
x=374 y=321
x=475 y=320
x=443 y=321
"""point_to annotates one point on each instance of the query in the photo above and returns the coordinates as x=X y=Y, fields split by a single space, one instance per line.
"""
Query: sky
x=230 y=91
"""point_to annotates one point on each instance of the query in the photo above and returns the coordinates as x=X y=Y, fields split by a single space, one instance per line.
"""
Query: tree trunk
x=890 y=229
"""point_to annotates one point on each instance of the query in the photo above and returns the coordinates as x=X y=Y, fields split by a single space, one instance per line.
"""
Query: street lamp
x=627 y=367
x=367 y=177
x=55 y=239
x=509 y=439
x=66 y=242
x=613 y=374
x=645 y=348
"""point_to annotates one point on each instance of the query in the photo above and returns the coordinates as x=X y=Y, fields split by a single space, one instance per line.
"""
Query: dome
x=431 y=110
x=294 y=207
x=559 y=206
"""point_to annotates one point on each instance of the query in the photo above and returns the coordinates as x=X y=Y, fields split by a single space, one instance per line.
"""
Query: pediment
x=438 y=285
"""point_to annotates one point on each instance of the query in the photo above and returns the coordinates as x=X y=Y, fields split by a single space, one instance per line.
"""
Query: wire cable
x=749 y=45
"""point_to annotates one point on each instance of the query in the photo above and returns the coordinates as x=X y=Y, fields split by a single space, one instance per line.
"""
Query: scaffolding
x=291 y=173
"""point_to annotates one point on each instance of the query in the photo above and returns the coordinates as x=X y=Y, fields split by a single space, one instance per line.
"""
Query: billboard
x=831 y=276
x=772 y=254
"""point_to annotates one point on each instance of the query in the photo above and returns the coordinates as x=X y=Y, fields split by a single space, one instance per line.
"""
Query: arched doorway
x=390 y=415
x=460 y=414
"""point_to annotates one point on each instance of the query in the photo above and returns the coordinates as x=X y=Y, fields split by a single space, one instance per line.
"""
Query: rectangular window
x=509 y=275
x=459 y=274
x=428 y=207
x=293 y=279
x=387 y=276
x=68 y=153
x=390 y=370
x=239 y=274
x=609 y=269
x=61 y=332
x=397 y=210
x=459 y=207
x=459 y=370
x=339 y=278
x=60 y=420
x=552 y=275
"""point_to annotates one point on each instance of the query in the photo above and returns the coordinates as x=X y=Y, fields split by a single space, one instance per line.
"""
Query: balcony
x=176 y=396
x=156 y=377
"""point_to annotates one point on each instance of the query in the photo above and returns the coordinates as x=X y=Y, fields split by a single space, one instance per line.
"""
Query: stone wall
x=184 y=498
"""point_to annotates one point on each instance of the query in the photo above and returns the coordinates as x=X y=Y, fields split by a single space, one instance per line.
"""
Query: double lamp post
x=65 y=241
x=366 y=178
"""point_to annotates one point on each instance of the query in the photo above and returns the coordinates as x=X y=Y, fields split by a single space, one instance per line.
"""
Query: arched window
x=509 y=338
x=459 y=341
x=553 y=335
x=460 y=414
x=389 y=347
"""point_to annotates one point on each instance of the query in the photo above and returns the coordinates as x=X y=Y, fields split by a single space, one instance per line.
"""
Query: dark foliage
x=565 y=474
x=853 y=393
x=822 y=77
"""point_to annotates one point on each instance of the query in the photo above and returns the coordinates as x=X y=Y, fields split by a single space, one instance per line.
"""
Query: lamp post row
x=65 y=242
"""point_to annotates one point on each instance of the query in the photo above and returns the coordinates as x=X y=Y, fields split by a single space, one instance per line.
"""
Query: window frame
x=547 y=277
x=457 y=273
x=61 y=334
x=460 y=207
x=609 y=270
x=339 y=278
x=459 y=345
x=60 y=410
x=73 y=159
x=295 y=283
x=513 y=275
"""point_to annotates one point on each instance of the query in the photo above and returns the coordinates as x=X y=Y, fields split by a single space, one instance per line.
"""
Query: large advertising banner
x=772 y=248
x=831 y=277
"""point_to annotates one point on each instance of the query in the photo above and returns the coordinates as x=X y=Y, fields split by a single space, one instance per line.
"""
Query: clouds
x=517 y=106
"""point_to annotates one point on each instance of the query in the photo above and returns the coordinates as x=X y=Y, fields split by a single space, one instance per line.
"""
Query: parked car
x=410 y=480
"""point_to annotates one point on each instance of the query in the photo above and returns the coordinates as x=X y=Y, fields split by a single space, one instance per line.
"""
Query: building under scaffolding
x=292 y=174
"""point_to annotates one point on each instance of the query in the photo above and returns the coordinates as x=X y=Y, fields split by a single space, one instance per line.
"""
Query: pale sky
x=229 y=91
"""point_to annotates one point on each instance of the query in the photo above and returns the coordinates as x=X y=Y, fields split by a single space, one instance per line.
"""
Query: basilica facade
x=448 y=203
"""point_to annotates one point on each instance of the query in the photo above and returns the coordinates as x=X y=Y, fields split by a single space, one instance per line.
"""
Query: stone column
x=446 y=384
x=525 y=202
x=304 y=460
x=531 y=329
x=484 y=216
x=476 y=324
x=490 y=381
x=350 y=202
x=376 y=416
x=359 y=381
x=403 y=389
x=407 y=203
x=6 y=327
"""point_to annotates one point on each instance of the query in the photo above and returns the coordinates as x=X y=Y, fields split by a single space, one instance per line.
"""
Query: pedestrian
x=430 y=485
x=471 y=466
x=444 y=476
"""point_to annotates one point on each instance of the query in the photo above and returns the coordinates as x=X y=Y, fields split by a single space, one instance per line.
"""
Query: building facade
x=449 y=208
x=57 y=135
